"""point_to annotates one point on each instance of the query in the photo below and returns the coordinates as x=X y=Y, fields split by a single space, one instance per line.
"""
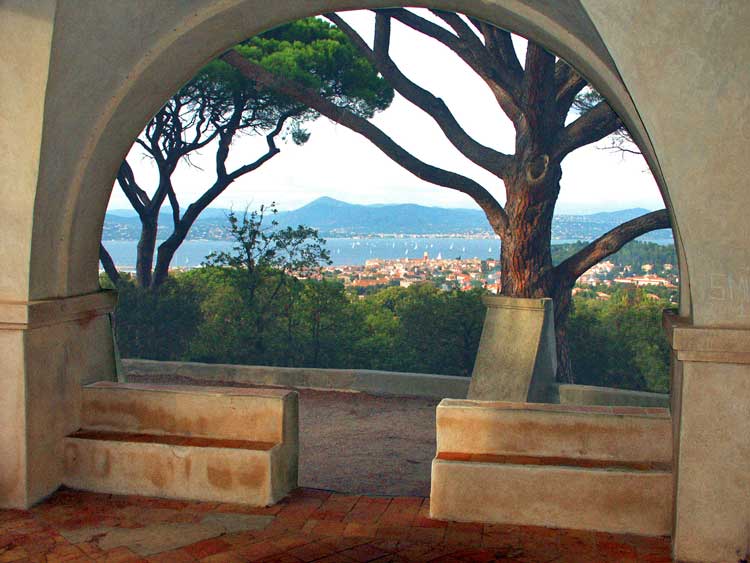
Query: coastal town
x=473 y=273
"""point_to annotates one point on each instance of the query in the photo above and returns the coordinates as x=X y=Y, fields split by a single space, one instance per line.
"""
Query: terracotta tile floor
x=310 y=525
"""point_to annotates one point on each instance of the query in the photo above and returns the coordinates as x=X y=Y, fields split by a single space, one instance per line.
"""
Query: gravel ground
x=358 y=443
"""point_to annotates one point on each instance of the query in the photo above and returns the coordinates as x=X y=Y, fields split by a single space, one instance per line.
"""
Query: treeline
x=204 y=315
x=201 y=315
x=620 y=342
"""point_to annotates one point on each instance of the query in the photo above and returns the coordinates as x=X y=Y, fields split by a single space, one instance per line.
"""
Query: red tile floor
x=310 y=525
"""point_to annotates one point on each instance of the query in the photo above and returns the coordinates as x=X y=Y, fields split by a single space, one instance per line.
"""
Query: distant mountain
x=334 y=218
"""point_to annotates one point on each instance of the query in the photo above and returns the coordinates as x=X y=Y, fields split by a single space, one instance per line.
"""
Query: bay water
x=344 y=251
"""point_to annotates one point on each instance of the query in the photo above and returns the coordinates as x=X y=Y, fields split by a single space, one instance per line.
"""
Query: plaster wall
x=592 y=468
x=47 y=350
x=594 y=395
x=686 y=69
x=12 y=419
x=183 y=410
x=616 y=501
x=208 y=443
x=713 y=487
x=26 y=29
x=624 y=434
x=373 y=382
x=63 y=357
x=711 y=379
x=211 y=474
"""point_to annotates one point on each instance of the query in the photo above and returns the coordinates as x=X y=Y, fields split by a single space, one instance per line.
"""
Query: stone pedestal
x=711 y=413
x=517 y=358
x=48 y=348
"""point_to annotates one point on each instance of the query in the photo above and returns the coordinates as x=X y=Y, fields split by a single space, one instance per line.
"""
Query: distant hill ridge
x=335 y=218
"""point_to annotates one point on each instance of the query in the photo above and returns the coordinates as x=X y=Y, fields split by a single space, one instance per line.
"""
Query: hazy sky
x=338 y=163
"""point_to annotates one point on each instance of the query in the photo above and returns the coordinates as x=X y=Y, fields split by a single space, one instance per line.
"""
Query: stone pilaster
x=711 y=413
x=48 y=348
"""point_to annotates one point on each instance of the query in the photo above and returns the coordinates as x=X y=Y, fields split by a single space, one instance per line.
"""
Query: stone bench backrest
x=627 y=434
x=265 y=415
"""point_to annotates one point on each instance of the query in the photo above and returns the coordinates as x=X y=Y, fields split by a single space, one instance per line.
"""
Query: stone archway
x=79 y=82
x=179 y=43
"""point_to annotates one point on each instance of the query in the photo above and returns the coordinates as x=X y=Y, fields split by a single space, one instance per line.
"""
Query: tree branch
x=201 y=125
x=182 y=226
x=109 y=265
x=225 y=138
x=491 y=160
x=592 y=126
x=273 y=150
x=568 y=271
x=460 y=27
x=175 y=204
x=568 y=83
x=136 y=196
x=426 y=27
x=538 y=92
x=500 y=44
x=502 y=79
x=494 y=211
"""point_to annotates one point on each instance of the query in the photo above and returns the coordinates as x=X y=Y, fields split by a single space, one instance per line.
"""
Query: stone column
x=48 y=349
x=711 y=413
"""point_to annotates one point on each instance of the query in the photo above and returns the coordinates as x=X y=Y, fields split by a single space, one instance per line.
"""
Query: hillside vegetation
x=200 y=315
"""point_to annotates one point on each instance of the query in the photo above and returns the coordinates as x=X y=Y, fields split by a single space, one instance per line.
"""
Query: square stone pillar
x=517 y=356
x=48 y=349
x=711 y=414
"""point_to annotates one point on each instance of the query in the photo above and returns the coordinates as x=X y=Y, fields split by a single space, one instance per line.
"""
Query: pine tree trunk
x=526 y=254
x=562 y=298
x=165 y=255
x=146 y=247
x=109 y=266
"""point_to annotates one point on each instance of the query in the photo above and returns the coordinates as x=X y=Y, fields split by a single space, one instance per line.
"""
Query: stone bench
x=586 y=467
x=204 y=443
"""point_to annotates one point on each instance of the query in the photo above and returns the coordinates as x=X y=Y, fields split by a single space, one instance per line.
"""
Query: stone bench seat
x=557 y=461
x=214 y=444
x=595 y=468
x=172 y=440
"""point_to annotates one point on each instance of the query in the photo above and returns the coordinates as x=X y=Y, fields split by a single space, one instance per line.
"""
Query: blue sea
x=344 y=251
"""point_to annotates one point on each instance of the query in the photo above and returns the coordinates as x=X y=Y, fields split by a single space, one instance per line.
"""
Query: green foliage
x=422 y=329
x=159 y=324
x=205 y=315
x=619 y=342
x=257 y=287
x=310 y=51
x=317 y=55
x=260 y=247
